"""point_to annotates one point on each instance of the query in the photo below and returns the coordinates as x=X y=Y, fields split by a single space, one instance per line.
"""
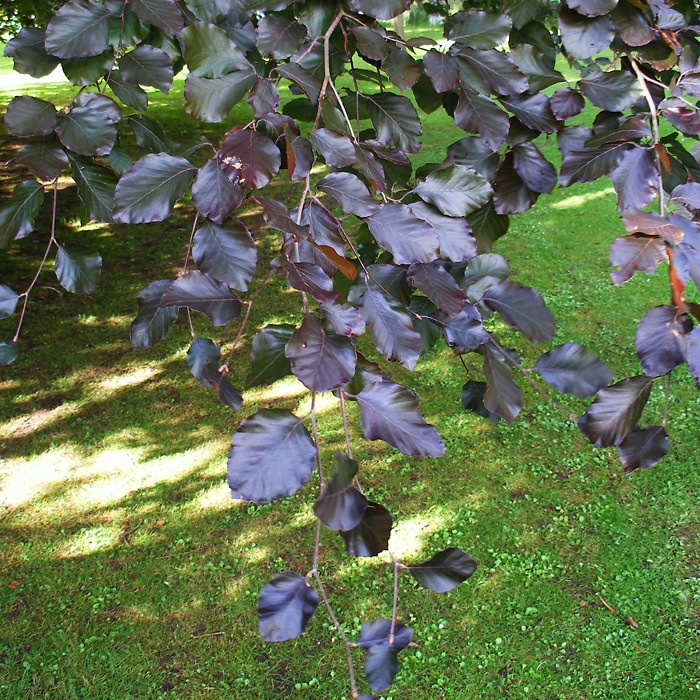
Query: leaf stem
x=345 y=423
x=119 y=47
x=395 y=603
x=189 y=245
x=326 y=64
x=668 y=398
x=319 y=466
x=225 y=367
x=52 y=240
x=654 y=126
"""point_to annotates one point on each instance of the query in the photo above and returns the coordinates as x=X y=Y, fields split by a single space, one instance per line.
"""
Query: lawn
x=126 y=571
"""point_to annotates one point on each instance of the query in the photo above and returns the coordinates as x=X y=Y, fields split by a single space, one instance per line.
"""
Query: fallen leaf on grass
x=14 y=584
x=160 y=522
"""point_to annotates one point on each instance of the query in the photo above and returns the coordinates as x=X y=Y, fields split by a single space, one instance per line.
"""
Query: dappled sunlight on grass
x=581 y=200
x=409 y=535
x=26 y=480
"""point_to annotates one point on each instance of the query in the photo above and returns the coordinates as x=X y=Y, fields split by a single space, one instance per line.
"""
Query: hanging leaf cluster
x=373 y=246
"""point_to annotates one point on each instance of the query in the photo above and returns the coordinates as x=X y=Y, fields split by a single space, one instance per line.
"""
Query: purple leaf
x=345 y=319
x=226 y=253
x=573 y=369
x=199 y=292
x=268 y=359
x=408 y=238
x=438 y=285
x=164 y=14
x=341 y=506
x=566 y=103
x=371 y=536
x=523 y=308
x=285 y=607
x=661 y=339
x=481 y=115
x=503 y=397
x=643 y=448
x=320 y=360
x=389 y=412
x=444 y=571
x=337 y=149
x=583 y=37
x=455 y=190
x=214 y=195
x=79 y=28
x=477 y=29
x=635 y=252
x=349 y=191
x=149 y=189
x=390 y=327
x=271 y=456
x=29 y=116
x=442 y=70
x=308 y=277
x=635 y=179
x=153 y=321
x=617 y=410
x=249 y=159
x=454 y=234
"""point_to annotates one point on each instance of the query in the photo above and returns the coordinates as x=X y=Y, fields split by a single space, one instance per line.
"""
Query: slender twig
x=317 y=546
x=348 y=644
x=211 y=634
x=357 y=94
x=654 y=126
x=319 y=465
x=118 y=49
x=224 y=367
x=326 y=64
x=189 y=245
x=52 y=240
x=668 y=398
x=302 y=200
x=345 y=423
x=539 y=389
x=395 y=604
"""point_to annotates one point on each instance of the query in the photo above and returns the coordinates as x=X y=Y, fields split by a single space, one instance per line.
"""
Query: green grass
x=127 y=572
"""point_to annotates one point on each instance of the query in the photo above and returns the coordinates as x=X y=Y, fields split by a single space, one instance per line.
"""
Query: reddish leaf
x=661 y=339
x=635 y=252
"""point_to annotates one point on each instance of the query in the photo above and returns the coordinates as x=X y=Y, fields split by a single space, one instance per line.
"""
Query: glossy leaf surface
x=643 y=448
x=78 y=269
x=149 y=190
x=153 y=320
x=574 y=369
x=523 y=308
x=389 y=412
x=271 y=457
x=320 y=359
x=617 y=410
x=268 y=357
x=200 y=292
x=341 y=506
x=285 y=607
x=226 y=253
x=660 y=339
x=371 y=536
x=445 y=570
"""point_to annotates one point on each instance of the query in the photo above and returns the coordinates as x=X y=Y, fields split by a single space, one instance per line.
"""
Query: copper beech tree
x=372 y=246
